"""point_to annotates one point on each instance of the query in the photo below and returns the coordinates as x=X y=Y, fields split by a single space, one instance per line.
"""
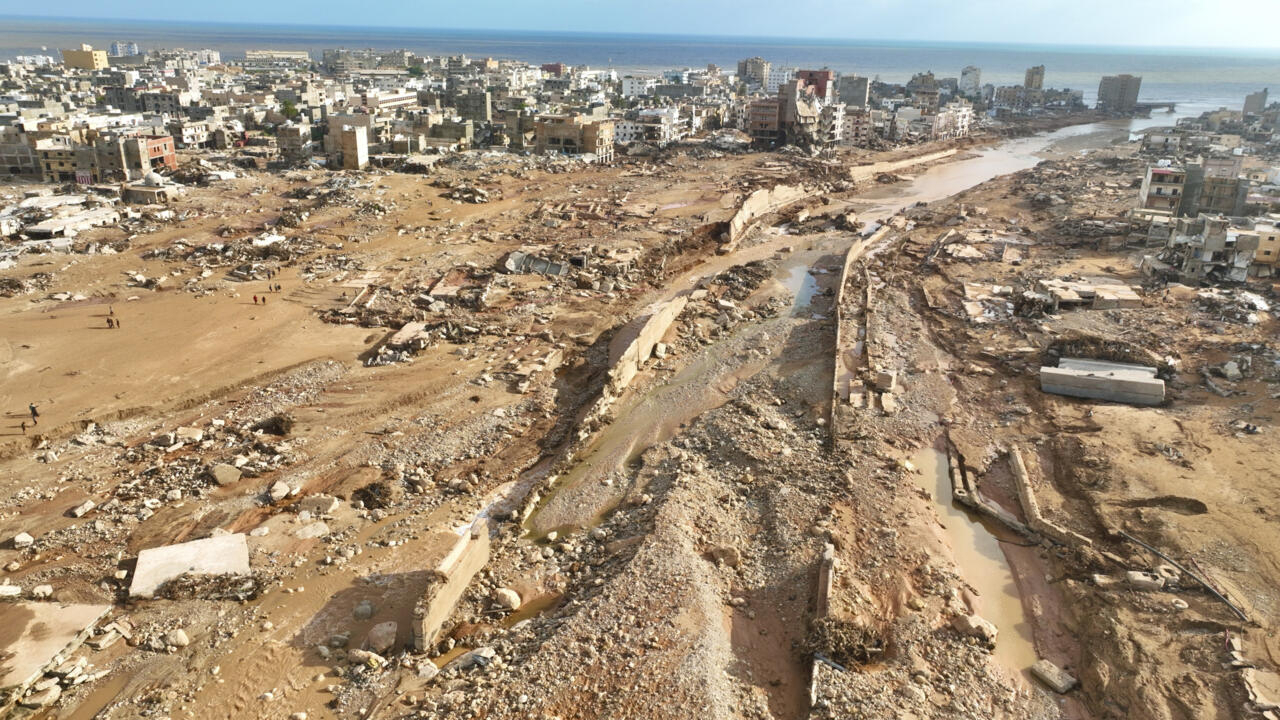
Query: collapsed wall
x=634 y=343
x=867 y=172
x=760 y=203
x=451 y=576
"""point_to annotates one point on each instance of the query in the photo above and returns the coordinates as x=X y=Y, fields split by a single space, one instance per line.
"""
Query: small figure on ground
x=35 y=414
x=111 y=310
x=24 y=427
x=111 y=323
x=255 y=299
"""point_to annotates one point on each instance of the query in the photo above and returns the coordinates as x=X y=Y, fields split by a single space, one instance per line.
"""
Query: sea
x=1195 y=78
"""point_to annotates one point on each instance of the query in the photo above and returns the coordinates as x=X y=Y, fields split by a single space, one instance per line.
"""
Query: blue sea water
x=1195 y=78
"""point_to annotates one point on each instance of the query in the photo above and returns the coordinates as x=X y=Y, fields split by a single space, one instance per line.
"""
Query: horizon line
x=1272 y=50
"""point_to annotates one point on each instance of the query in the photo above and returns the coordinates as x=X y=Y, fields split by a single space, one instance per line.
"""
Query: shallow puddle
x=982 y=563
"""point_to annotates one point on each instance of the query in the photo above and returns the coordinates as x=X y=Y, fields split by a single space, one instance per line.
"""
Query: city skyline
x=1183 y=24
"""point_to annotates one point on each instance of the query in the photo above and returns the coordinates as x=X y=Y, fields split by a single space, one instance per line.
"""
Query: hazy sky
x=1212 y=23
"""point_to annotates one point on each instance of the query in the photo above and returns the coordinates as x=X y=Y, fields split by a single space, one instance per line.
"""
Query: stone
x=366 y=657
x=83 y=508
x=318 y=504
x=975 y=626
x=1059 y=680
x=260 y=531
x=278 y=491
x=23 y=540
x=10 y=591
x=42 y=591
x=726 y=555
x=381 y=637
x=43 y=698
x=886 y=381
x=189 y=434
x=316 y=529
x=177 y=637
x=1231 y=371
x=223 y=474
x=507 y=598
x=480 y=656
x=363 y=610
x=1139 y=580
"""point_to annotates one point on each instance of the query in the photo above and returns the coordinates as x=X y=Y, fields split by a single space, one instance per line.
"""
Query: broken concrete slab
x=318 y=504
x=1098 y=380
x=224 y=554
x=40 y=635
x=1059 y=680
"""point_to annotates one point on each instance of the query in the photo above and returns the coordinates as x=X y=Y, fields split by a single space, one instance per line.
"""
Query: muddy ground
x=672 y=568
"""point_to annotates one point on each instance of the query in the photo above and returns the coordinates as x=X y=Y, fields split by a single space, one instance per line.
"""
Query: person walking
x=35 y=414
x=24 y=427
x=255 y=299
x=110 y=323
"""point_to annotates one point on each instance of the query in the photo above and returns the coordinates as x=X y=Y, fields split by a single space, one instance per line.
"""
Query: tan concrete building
x=574 y=135
x=86 y=58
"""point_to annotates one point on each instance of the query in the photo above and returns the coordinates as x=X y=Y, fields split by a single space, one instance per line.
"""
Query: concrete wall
x=452 y=576
x=634 y=344
x=1031 y=507
x=867 y=172
x=762 y=202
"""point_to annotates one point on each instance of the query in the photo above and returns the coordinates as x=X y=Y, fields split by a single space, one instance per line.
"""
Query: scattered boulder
x=318 y=504
x=177 y=637
x=363 y=610
x=23 y=540
x=381 y=637
x=976 y=627
x=279 y=491
x=507 y=598
x=223 y=474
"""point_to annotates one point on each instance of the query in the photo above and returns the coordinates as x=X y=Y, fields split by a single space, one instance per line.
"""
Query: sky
x=1165 y=23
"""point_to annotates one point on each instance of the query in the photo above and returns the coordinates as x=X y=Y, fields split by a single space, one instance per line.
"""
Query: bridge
x=1148 y=107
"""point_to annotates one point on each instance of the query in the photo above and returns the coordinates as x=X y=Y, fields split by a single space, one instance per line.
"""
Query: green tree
x=417 y=71
x=289 y=109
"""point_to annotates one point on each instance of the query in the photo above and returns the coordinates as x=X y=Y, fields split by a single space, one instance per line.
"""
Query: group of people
x=273 y=287
x=35 y=417
x=113 y=322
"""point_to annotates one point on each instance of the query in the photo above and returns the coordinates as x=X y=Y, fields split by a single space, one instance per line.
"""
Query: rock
x=507 y=598
x=1231 y=371
x=365 y=657
x=363 y=610
x=726 y=555
x=886 y=381
x=480 y=656
x=23 y=540
x=318 y=504
x=9 y=591
x=260 y=531
x=298 y=716
x=427 y=670
x=1139 y=580
x=381 y=637
x=223 y=474
x=43 y=698
x=1055 y=677
x=177 y=637
x=975 y=626
x=42 y=591
x=278 y=491
x=316 y=529
x=83 y=508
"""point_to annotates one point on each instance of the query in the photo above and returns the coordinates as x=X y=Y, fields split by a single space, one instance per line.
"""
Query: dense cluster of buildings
x=1212 y=217
x=97 y=115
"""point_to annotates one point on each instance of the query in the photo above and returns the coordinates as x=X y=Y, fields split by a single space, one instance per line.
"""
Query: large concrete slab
x=225 y=554
x=35 y=634
x=1099 y=380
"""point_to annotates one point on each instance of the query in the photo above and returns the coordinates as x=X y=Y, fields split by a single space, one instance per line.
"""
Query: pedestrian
x=264 y=300
x=110 y=323
x=111 y=310
x=117 y=323
x=24 y=427
x=255 y=299
x=35 y=415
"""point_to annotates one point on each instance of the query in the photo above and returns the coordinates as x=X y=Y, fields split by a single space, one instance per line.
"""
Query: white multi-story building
x=778 y=77
x=638 y=85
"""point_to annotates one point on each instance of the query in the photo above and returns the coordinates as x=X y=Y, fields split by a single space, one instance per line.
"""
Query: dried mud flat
x=660 y=558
